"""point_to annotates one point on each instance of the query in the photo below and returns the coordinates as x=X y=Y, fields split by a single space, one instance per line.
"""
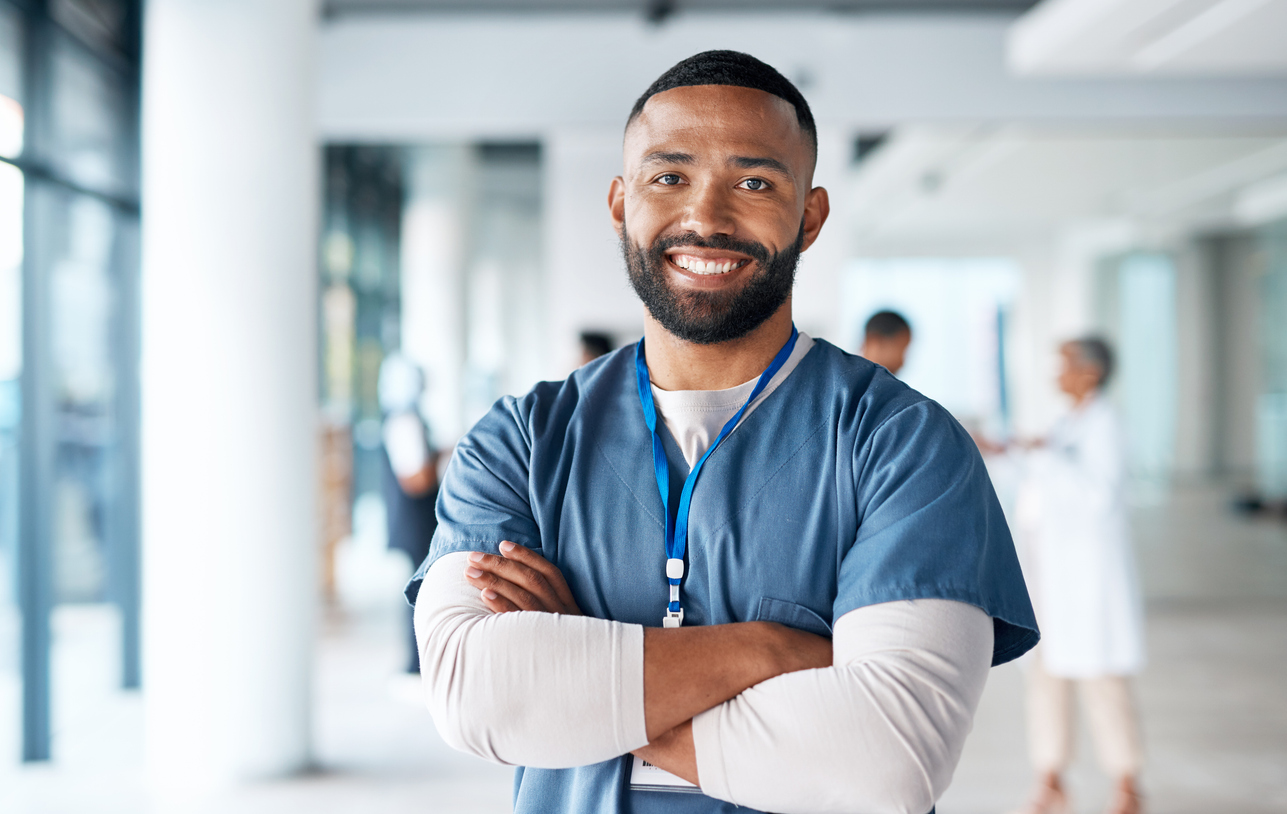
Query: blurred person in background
x=629 y=633
x=1080 y=570
x=886 y=339
x=410 y=482
x=594 y=345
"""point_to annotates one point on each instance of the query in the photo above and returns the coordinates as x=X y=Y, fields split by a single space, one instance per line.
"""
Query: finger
x=532 y=559
x=497 y=603
x=520 y=575
x=523 y=576
x=522 y=598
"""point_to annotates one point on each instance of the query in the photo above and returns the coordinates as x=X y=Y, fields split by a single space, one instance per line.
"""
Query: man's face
x=715 y=207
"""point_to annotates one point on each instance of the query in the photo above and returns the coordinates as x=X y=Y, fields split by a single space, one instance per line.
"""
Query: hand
x=420 y=483
x=987 y=446
x=520 y=579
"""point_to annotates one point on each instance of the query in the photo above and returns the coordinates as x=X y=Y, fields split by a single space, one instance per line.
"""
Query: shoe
x=1047 y=800
x=1126 y=800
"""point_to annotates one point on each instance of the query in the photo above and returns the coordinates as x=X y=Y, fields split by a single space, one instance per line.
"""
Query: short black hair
x=887 y=324
x=1096 y=352
x=596 y=343
x=738 y=70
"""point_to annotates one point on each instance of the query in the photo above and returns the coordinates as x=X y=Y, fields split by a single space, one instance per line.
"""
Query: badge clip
x=673 y=618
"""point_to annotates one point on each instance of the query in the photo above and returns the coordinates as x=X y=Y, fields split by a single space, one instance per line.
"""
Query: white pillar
x=229 y=396
x=816 y=301
x=434 y=228
x=586 y=288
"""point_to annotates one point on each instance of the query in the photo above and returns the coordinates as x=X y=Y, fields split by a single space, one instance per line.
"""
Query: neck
x=1080 y=400
x=674 y=364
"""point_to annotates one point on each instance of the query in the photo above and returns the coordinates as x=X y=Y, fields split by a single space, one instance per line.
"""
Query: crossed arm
x=736 y=707
x=687 y=670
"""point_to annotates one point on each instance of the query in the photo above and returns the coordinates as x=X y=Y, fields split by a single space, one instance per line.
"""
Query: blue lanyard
x=677 y=527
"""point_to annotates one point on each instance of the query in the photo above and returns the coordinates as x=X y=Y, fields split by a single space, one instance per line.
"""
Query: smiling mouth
x=707 y=266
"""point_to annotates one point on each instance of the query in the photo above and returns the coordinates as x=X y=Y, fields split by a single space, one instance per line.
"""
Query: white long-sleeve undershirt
x=526 y=688
x=881 y=730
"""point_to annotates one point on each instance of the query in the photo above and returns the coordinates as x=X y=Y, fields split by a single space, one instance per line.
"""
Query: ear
x=617 y=203
x=817 y=206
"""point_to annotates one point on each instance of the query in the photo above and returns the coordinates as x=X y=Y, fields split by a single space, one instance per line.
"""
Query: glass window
x=83 y=248
x=957 y=309
x=11 y=220
x=1271 y=403
x=360 y=300
x=82 y=293
x=89 y=109
x=11 y=189
x=10 y=53
x=11 y=117
x=1147 y=365
x=98 y=23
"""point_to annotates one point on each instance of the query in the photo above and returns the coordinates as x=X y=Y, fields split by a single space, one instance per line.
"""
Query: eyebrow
x=669 y=158
x=755 y=163
x=744 y=162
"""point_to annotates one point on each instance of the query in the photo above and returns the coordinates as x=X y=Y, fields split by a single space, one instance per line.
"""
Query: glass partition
x=11 y=246
x=1147 y=383
x=68 y=336
x=10 y=83
x=957 y=307
x=1271 y=406
x=90 y=112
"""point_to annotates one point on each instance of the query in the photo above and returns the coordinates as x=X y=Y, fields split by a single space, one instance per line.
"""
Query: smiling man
x=730 y=565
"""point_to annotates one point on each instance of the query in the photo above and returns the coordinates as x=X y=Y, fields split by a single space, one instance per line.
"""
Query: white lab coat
x=1079 y=564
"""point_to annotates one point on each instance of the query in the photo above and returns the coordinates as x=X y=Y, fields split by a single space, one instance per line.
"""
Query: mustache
x=756 y=251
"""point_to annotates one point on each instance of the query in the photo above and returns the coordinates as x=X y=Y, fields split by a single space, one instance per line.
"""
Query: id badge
x=646 y=777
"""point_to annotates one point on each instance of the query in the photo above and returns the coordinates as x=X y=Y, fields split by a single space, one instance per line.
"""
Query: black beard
x=711 y=317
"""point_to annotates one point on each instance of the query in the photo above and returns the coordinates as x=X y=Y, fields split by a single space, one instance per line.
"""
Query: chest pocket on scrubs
x=792 y=615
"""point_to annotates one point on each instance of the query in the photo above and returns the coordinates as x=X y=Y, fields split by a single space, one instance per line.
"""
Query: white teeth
x=698 y=266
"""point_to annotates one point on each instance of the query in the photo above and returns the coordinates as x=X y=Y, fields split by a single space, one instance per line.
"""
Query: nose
x=709 y=211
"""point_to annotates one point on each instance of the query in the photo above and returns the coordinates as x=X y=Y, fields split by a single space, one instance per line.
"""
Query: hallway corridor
x=1215 y=710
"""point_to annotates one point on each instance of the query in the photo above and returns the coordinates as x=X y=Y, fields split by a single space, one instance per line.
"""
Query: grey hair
x=1096 y=352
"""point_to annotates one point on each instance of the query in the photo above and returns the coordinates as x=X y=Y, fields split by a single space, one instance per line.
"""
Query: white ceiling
x=415 y=77
x=1162 y=151
x=664 y=9
x=1180 y=37
x=989 y=188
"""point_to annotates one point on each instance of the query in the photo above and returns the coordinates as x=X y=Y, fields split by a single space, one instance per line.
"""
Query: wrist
x=766 y=655
x=783 y=649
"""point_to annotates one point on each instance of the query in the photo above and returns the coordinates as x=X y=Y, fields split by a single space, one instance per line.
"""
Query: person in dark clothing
x=410 y=481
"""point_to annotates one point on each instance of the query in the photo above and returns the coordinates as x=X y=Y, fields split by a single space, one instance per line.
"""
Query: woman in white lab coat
x=1080 y=569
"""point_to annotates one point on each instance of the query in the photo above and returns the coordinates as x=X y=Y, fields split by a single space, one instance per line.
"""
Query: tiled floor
x=1214 y=694
x=1214 y=703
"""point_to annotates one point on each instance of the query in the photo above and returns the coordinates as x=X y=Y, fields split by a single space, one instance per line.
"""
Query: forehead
x=717 y=119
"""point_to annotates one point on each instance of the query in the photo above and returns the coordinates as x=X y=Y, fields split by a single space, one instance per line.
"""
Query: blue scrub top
x=844 y=488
